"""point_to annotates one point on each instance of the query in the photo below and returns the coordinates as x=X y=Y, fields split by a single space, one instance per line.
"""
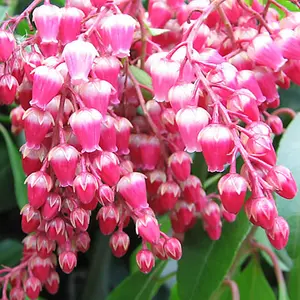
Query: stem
x=285 y=110
x=143 y=39
x=149 y=119
x=234 y=289
x=272 y=255
x=227 y=24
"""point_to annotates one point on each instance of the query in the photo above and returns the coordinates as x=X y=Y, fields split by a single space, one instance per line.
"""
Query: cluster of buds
x=94 y=143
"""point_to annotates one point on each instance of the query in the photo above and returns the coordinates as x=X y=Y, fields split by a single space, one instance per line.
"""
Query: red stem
x=234 y=288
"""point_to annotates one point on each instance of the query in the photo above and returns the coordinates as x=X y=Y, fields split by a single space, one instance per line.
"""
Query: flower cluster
x=94 y=143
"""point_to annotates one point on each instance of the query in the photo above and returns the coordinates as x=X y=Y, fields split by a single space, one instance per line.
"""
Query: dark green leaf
x=139 y=286
x=16 y=166
x=294 y=280
x=10 y=252
x=285 y=262
x=288 y=155
x=253 y=284
x=199 y=167
x=174 y=293
x=97 y=283
x=205 y=263
x=290 y=97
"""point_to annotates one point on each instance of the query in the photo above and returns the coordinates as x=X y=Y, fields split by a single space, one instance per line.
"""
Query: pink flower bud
x=53 y=108
x=31 y=219
x=16 y=116
x=96 y=94
x=86 y=123
x=182 y=95
x=106 y=195
x=150 y=152
x=145 y=261
x=278 y=235
x=108 y=137
x=47 y=83
x=16 y=293
x=70 y=24
x=158 y=249
x=168 y=194
x=190 y=122
x=217 y=145
x=32 y=61
x=79 y=56
x=51 y=207
x=85 y=186
x=39 y=185
x=147 y=227
x=108 y=218
x=117 y=33
x=173 y=248
x=123 y=127
x=83 y=241
x=289 y=43
x=52 y=283
x=261 y=212
x=107 y=165
x=283 y=181
x=67 y=261
x=168 y=119
x=119 y=243
x=211 y=214
x=55 y=229
x=192 y=189
x=261 y=146
x=229 y=217
x=246 y=80
x=36 y=125
x=40 y=267
x=265 y=52
x=32 y=287
x=29 y=245
x=232 y=189
x=244 y=102
x=107 y=68
x=159 y=14
x=63 y=159
x=98 y=3
x=8 y=89
x=47 y=19
x=32 y=159
x=132 y=187
x=180 y=164
x=80 y=219
x=44 y=246
x=154 y=180
x=214 y=232
x=164 y=75
x=276 y=124
x=7 y=45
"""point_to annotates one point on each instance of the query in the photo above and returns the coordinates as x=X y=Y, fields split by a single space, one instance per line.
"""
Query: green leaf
x=174 y=293
x=3 y=11
x=141 y=76
x=199 y=167
x=16 y=166
x=10 y=252
x=285 y=262
x=288 y=4
x=289 y=98
x=205 y=263
x=139 y=286
x=288 y=155
x=97 y=282
x=294 y=280
x=155 y=31
x=253 y=284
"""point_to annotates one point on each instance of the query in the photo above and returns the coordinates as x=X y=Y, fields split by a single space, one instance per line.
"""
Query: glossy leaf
x=288 y=155
x=205 y=263
x=141 y=76
x=253 y=284
x=10 y=252
x=174 y=293
x=294 y=280
x=199 y=167
x=16 y=167
x=285 y=262
x=139 y=286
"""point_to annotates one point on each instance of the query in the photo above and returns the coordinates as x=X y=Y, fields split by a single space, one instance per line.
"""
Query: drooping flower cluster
x=94 y=143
